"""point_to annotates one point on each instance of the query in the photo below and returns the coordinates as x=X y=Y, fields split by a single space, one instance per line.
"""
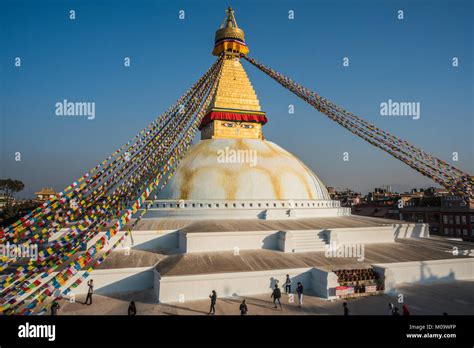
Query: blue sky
x=82 y=60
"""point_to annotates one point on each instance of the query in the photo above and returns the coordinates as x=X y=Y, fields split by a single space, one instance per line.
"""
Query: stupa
x=240 y=210
x=233 y=171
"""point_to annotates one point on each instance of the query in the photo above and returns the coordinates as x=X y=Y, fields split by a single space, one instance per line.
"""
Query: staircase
x=307 y=241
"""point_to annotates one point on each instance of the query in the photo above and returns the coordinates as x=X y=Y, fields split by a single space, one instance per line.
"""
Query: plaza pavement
x=429 y=299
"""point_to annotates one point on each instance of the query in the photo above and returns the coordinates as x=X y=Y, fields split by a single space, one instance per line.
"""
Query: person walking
x=346 y=309
x=405 y=312
x=395 y=311
x=390 y=309
x=213 y=297
x=132 y=309
x=288 y=284
x=276 y=294
x=54 y=308
x=90 y=291
x=243 y=308
x=299 y=291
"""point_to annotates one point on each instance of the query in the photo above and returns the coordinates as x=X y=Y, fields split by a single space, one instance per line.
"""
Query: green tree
x=9 y=187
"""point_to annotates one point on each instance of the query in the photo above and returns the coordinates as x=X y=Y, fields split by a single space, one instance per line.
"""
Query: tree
x=9 y=187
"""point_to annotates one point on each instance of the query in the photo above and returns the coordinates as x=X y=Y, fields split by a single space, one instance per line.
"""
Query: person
x=243 y=308
x=299 y=291
x=405 y=310
x=390 y=309
x=213 y=298
x=346 y=309
x=54 y=308
x=288 y=284
x=132 y=309
x=395 y=311
x=90 y=284
x=276 y=294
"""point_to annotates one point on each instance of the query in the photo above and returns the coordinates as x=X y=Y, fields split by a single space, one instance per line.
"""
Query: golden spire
x=229 y=37
x=234 y=111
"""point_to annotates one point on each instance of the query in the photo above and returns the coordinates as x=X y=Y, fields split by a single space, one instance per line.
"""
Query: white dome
x=243 y=169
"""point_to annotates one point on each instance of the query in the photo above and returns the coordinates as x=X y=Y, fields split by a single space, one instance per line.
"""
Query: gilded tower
x=235 y=110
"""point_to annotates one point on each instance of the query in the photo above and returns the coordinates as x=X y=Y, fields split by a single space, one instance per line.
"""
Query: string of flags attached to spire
x=106 y=201
x=453 y=179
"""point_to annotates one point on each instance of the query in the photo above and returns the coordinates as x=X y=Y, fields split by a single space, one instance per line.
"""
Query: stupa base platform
x=186 y=277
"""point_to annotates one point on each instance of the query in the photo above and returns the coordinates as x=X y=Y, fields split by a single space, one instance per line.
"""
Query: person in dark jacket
x=243 y=308
x=132 y=309
x=405 y=310
x=213 y=297
x=90 y=291
x=346 y=309
x=54 y=308
x=288 y=284
x=299 y=291
x=276 y=294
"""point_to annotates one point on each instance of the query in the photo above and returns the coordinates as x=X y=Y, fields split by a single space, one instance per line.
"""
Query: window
x=463 y=219
x=458 y=219
x=450 y=219
x=445 y=219
x=464 y=231
x=472 y=219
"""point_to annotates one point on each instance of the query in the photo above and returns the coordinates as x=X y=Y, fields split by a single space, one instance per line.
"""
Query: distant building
x=3 y=201
x=347 y=197
x=449 y=216
x=45 y=194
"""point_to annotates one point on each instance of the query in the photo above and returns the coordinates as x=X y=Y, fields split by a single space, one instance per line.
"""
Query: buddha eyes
x=232 y=125
x=247 y=126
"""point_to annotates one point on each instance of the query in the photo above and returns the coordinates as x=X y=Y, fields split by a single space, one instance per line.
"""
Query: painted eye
x=228 y=124
x=248 y=126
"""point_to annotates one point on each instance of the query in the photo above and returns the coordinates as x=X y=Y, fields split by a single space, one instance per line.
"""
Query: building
x=45 y=194
x=347 y=197
x=449 y=216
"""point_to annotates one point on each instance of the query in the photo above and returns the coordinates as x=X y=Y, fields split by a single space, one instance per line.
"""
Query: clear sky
x=407 y=60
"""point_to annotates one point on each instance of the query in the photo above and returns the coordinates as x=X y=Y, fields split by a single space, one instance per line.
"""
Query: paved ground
x=453 y=298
